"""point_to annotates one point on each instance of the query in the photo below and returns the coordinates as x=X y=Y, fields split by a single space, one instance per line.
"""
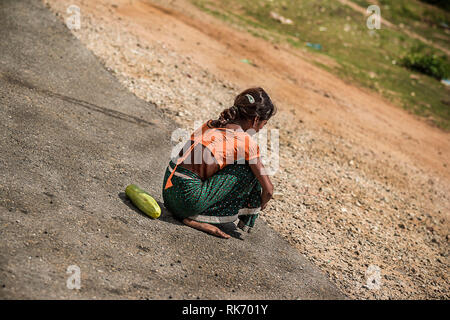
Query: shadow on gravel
x=166 y=216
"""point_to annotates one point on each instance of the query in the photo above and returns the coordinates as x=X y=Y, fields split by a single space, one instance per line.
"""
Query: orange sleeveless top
x=226 y=145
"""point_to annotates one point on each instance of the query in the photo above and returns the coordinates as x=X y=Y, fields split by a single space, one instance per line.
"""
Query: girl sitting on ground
x=218 y=176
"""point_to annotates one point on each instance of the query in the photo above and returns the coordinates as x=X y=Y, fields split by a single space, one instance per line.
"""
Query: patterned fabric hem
x=214 y=219
x=225 y=219
x=245 y=211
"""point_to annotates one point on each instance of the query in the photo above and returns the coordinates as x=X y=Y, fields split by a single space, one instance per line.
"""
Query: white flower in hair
x=250 y=98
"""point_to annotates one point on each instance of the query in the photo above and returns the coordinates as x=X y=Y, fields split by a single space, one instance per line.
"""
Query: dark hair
x=251 y=103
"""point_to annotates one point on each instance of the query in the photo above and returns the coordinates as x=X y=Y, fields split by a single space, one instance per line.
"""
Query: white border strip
x=225 y=219
x=244 y=211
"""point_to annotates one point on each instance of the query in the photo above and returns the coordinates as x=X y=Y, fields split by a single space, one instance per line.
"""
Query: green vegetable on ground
x=143 y=201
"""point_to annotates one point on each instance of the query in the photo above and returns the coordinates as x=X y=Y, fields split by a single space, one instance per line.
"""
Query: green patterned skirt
x=231 y=193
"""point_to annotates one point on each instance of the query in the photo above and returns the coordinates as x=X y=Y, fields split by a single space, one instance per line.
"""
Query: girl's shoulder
x=206 y=130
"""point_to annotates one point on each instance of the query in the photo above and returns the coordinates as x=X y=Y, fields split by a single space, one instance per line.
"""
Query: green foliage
x=421 y=60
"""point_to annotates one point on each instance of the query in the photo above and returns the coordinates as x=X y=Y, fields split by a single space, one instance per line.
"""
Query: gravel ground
x=346 y=206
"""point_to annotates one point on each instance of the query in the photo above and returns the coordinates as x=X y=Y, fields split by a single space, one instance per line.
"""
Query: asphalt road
x=71 y=139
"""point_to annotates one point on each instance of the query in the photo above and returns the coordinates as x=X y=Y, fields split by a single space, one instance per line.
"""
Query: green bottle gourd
x=143 y=201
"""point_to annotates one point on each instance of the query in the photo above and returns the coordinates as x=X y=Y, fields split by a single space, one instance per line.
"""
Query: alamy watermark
x=74 y=280
x=264 y=138
x=373 y=277
x=73 y=22
x=374 y=20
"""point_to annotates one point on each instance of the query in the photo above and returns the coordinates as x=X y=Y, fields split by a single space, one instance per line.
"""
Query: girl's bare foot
x=206 y=227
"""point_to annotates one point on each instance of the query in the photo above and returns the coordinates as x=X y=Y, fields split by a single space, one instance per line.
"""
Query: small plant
x=424 y=61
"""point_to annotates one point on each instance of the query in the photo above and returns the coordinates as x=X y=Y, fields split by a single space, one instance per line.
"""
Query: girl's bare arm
x=267 y=186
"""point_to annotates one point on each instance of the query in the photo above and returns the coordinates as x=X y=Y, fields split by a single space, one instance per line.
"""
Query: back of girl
x=218 y=176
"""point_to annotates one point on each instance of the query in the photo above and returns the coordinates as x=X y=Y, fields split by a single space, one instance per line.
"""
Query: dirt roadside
x=363 y=182
x=72 y=138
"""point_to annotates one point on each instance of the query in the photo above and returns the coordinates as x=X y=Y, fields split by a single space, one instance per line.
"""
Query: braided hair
x=248 y=105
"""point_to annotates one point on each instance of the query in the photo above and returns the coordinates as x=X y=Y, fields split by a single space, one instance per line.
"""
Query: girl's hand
x=265 y=198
